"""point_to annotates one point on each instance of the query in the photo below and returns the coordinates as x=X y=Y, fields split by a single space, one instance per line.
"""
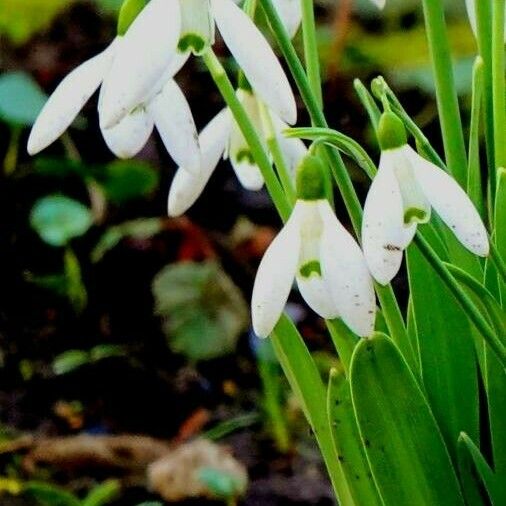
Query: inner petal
x=416 y=207
x=197 y=26
x=310 y=281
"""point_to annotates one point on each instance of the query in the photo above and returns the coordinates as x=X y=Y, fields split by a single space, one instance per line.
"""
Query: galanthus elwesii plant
x=415 y=414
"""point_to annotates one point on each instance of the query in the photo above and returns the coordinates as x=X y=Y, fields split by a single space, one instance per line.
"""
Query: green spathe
x=127 y=14
x=310 y=179
x=391 y=132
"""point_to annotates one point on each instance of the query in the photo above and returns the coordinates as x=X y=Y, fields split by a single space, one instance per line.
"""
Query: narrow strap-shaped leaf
x=471 y=459
x=407 y=454
x=344 y=341
x=447 y=354
x=348 y=443
x=306 y=382
x=474 y=184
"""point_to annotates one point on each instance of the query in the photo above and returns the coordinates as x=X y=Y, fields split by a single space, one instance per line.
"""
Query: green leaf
x=348 y=443
x=140 y=229
x=203 y=312
x=70 y=361
x=103 y=493
x=50 y=495
x=409 y=460
x=76 y=291
x=104 y=351
x=21 y=98
x=58 y=219
x=474 y=470
x=126 y=180
x=447 y=353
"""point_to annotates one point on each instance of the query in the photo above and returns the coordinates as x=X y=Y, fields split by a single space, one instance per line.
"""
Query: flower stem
x=248 y=130
x=462 y=298
x=448 y=106
x=311 y=56
x=499 y=85
x=277 y=155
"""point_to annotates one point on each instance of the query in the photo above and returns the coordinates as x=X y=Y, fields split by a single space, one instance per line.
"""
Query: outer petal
x=174 y=120
x=68 y=99
x=147 y=50
x=186 y=187
x=384 y=236
x=452 y=204
x=130 y=135
x=256 y=58
x=291 y=13
x=345 y=271
x=275 y=278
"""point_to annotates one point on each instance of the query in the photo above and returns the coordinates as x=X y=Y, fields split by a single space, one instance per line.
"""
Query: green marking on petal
x=192 y=42
x=245 y=155
x=414 y=215
x=310 y=268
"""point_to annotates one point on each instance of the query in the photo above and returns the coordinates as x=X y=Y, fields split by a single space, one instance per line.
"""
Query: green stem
x=277 y=155
x=484 y=25
x=311 y=55
x=248 y=130
x=448 y=106
x=499 y=85
x=495 y=255
x=462 y=298
x=11 y=156
x=386 y=296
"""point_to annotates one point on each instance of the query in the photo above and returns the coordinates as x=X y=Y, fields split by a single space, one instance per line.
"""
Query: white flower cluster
x=138 y=92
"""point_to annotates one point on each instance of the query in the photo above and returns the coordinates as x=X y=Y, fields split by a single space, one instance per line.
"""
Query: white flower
x=401 y=196
x=194 y=31
x=222 y=137
x=161 y=104
x=290 y=12
x=471 y=10
x=331 y=272
x=379 y=3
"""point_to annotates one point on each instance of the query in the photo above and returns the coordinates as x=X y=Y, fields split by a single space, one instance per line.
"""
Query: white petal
x=291 y=13
x=379 y=3
x=174 y=121
x=130 y=135
x=345 y=271
x=147 y=50
x=186 y=188
x=275 y=277
x=317 y=295
x=384 y=236
x=256 y=58
x=67 y=100
x=294 y=150
x=452 y=204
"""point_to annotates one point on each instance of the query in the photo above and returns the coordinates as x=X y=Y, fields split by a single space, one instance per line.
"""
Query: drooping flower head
x=194 y=32
x=142 y=30
x=405 y=190
x=222 y=138
x=314 y=249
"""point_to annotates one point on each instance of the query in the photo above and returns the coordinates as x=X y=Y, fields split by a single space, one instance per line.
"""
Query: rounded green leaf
x=21 y=99
x=58 y=219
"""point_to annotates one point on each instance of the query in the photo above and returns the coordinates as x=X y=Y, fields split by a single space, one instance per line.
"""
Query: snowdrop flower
x=222 y=138
x=290 y=12
x=159 y=100
x=317 y=251
x=379 y=3
x=194 y=30
x=471 y=10
x=401 y=196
